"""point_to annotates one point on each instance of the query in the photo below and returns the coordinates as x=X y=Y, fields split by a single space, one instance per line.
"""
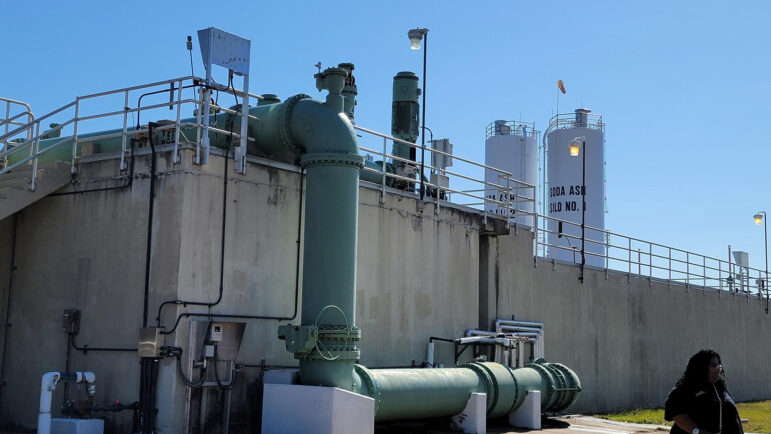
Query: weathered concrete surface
x=420 y=274
x=629 y=340
x=416 y=278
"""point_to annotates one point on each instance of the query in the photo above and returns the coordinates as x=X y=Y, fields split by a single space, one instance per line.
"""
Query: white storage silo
x=512 y=146
x=563 y=187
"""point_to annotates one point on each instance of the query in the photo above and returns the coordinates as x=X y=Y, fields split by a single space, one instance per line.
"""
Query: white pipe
x=520 y=323
x=430 y=358
x=48 y=385
x=538 y=348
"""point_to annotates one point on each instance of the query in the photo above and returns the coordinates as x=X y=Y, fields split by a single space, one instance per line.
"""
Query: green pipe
x=63 y=145
x=326 y=342
x=424 y=393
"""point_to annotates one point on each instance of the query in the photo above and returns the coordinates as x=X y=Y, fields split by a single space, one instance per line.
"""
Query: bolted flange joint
x=323 y=342
x=333 y=159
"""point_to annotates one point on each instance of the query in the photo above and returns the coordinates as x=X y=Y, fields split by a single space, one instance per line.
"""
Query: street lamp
x=416 y=35
x=575 y=147
x=762 y=217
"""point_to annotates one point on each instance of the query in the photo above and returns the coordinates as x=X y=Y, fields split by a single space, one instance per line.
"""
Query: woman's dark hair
x=697 y=371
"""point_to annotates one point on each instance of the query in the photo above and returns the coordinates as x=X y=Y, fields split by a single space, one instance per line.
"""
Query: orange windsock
x=561 y=85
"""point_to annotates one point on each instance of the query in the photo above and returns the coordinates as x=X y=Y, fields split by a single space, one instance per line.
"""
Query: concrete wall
x=420 y=273
x=628 y=339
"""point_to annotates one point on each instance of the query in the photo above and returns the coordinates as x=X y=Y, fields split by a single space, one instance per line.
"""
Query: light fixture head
x=758 y=218
x=416 y=35
x=575 y=147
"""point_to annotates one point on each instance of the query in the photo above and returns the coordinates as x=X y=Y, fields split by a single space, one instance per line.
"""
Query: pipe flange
x=490 y=385
x=329 y=355
x=285 y=133
x=540 y=367
x=372 y=388
x=333 y=159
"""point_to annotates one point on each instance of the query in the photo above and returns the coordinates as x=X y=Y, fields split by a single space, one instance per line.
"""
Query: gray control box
x=150 y=342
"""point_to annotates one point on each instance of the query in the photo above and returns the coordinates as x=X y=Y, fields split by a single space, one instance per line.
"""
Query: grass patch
x=758 y=413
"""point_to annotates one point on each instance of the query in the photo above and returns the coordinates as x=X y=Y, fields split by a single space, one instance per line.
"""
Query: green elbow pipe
x=326 y=342
x=424 y=393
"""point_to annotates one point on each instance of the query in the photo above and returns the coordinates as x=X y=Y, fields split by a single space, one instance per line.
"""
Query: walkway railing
x=439 y=182
x=647 y=260
x=639 y=259
x=100 y=111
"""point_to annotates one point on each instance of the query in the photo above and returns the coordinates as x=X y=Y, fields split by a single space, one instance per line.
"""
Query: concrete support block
x=473 y=418
x=279 y=376
x=289 y=409
x=77 y=426
x=528 y=415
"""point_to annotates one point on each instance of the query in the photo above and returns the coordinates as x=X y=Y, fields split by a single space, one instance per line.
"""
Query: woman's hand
x=687 y=424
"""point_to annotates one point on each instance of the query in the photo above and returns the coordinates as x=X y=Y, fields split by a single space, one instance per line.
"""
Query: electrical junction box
x=215 y=335
x=71 y=321
x=150 y=342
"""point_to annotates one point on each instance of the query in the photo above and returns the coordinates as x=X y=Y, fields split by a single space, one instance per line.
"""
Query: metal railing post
x=687 y=270
x=73 y=169
x=383 y=168
x=639 y=264
x=175 y=155
x=629 y=261
x=35 y=149
x=669 y=280
x=125 y=130
x=197 y=159
x=535 y=239
x=720 y=275
x=704 y=271
x=650 y=264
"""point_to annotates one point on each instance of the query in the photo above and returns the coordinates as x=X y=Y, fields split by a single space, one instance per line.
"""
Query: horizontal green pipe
x=425 y=393
x=63 y=145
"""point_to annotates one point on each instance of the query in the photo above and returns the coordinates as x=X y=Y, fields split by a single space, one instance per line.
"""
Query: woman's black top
x=702 y=405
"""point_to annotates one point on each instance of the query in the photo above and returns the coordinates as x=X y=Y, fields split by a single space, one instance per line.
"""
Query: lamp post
x=415 y=36
x=762 y=217
x=576 y=145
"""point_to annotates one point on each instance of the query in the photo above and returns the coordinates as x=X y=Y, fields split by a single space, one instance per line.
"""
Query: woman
x=699 y=403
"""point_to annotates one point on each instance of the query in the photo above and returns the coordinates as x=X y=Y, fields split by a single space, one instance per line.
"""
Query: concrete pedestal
x=77 y=426
x=289 y=409
x=528 y=415
x=473 y=418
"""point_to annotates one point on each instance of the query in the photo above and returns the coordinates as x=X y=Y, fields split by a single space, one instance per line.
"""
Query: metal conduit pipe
x=499 y=322
x=423 y=393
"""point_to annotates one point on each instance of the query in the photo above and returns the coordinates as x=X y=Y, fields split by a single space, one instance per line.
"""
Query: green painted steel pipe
x=62 y=146
x=326 y=342
x=424 y=393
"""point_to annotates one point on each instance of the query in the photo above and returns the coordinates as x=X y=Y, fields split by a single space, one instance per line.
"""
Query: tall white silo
x=512 y=146
x=563 y=187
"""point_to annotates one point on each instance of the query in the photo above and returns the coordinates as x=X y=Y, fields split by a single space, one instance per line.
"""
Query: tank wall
x=419 y=274
x=518 y=155
x=97 y=265
x=629 y=340
x=563 y=191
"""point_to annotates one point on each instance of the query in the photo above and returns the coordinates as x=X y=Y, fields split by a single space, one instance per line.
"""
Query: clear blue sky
x=682 y=85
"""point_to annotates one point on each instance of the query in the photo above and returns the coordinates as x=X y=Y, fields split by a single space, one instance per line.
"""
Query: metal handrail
x=30 y=145
x=655 y=261
x=514 y=128
x=9 y=120
x=510 y=187
x=568 y=120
